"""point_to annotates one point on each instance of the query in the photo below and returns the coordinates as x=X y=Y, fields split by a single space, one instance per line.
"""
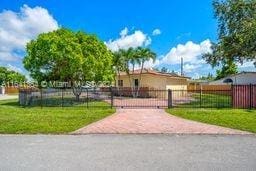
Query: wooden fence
x=208 y=87
x=244 y=96
x=211 y=89
x=11 y=90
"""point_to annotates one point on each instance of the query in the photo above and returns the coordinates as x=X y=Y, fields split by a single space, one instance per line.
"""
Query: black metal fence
x=202 y=98
x=140 y=98
x=64 y=98
x=124 y=98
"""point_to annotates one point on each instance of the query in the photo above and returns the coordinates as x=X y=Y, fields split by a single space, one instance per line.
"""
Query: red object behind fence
x=244 y=96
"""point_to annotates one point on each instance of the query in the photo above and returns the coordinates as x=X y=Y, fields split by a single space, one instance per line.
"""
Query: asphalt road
x=127 y=152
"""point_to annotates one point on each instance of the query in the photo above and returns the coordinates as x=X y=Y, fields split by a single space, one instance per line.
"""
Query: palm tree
x=129 y=58
x=119 y=64
x=123 y=59
x=143 y=55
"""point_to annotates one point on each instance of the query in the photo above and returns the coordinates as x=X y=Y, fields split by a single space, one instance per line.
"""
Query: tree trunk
x=77 y=92
x=141 y=70
x=119 y=77
x=129 y=76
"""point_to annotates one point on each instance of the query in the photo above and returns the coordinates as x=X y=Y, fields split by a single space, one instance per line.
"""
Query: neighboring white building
x=2 y=90
x=240 y=78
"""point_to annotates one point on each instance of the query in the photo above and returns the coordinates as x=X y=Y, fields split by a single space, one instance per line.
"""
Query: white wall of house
x=241 y=78
x=2 y=90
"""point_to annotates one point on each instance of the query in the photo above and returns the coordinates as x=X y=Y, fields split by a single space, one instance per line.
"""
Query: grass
x=48 y=120
x=209 y=100
x=241 y=119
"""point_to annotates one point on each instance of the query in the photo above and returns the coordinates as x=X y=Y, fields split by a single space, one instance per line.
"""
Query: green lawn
x=233 y=118
x=209 y=100
x=55 y=120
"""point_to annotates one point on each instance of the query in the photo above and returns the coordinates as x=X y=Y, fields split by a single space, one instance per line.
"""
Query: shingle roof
x=153 y=72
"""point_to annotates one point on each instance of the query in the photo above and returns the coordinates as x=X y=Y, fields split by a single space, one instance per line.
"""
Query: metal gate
x=140 y=98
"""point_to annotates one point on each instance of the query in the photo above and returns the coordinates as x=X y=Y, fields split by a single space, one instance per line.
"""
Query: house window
x=120 y=83
x=136 y=82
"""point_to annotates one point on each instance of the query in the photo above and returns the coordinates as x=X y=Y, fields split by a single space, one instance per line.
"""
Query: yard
x=206 y=100
x=241 y=119
x=48 y=120
x=216 y=109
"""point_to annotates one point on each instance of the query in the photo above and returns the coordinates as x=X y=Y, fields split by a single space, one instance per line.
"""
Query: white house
x=2 y=90
x=240 y=78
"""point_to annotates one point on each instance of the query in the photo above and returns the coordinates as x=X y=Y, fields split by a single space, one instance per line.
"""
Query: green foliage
x=209 y=77
x=123 y=59
x=236 y=32
x=66 y=56
x=143 y=55
x=98 y=60
x=164 y=70
x=7 y=75
x=226 y=70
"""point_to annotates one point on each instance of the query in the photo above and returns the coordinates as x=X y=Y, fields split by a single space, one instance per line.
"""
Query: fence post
x=62 y=97
x=200 y=96
x=41 y=98
x=87 y=98
x=250 y=96
x=169 y=99
x=112 y=97
x=232 y=96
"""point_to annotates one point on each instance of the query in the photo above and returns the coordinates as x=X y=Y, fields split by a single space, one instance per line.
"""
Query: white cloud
x=124 y=32
x=151 y=63
x=156 y=32
x=138 y=38
x=16 y=29
x=249 y=64
x=190 y=52
x=196 y=76
x=8 y=56
x=188 y=68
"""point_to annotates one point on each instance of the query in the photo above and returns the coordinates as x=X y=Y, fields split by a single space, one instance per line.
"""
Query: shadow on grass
x=13 y=103
x=94 y=104
x=250 y=110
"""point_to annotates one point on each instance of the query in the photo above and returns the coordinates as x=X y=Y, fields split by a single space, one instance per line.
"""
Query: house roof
x=243 y=72
x=233 y=75
x=153 y=72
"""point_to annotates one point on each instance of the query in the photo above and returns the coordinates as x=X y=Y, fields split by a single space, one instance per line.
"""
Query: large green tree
x=226 y=70
x=236 y=33
x=65 y=55
x=7 y=75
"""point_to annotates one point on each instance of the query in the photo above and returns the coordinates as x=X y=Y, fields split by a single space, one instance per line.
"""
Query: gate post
x=169 y=99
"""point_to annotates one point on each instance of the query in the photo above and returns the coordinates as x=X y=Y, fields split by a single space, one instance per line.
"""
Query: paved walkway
x=151 y=121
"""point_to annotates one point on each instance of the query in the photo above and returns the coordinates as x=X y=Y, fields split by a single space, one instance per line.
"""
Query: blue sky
x=185 y=28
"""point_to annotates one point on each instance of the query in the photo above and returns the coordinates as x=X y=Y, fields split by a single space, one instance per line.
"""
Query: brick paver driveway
x=151 y=121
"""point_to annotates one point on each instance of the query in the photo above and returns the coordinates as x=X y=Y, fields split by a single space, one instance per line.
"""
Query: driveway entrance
x=151 y=121
x=143 y=98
